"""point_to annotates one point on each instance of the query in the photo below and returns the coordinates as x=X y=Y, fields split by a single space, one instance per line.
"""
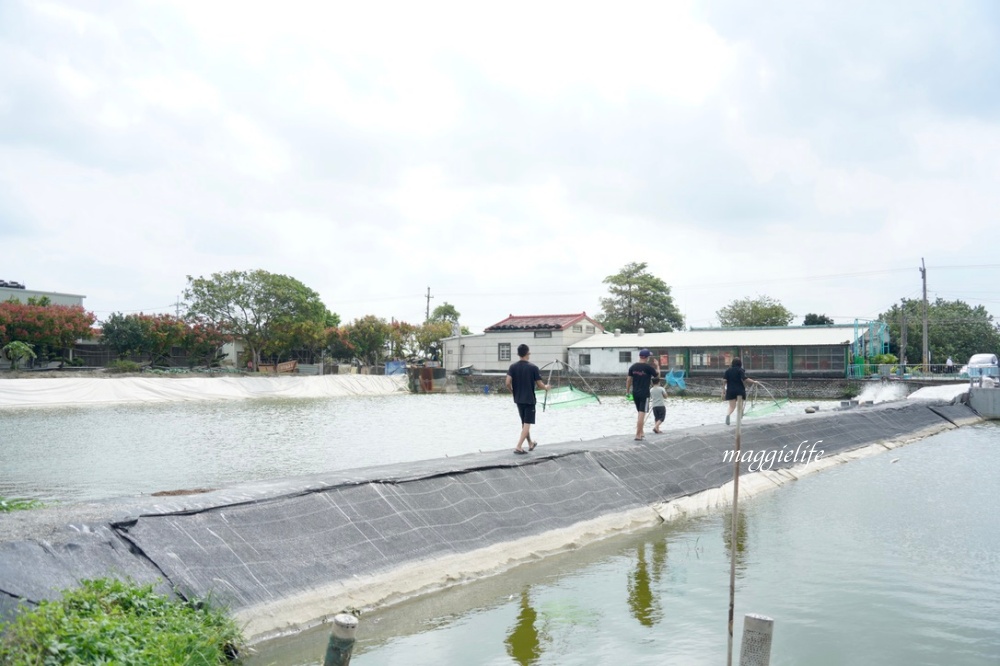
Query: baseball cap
x=644 y=352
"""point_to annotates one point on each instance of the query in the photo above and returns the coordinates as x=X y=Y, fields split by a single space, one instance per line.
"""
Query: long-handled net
x=675 y=378
x=762 y=405
x=564 y=393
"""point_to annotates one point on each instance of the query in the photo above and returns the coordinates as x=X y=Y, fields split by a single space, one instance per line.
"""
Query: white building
x=548 y=336
x=19 y=293
x=799 y=351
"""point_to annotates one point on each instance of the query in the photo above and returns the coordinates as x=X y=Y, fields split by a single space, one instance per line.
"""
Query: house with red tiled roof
x=549 y=337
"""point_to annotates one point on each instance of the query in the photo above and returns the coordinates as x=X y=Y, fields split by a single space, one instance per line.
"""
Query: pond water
x=87 y=453
x=889 y=560
x=893 y=559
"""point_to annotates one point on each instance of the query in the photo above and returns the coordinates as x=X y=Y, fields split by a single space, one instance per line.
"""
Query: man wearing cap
x=640 y=375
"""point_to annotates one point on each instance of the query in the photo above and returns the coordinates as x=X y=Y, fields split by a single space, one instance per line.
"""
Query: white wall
x=23 y=295
x=602 y=361
x=480 y=351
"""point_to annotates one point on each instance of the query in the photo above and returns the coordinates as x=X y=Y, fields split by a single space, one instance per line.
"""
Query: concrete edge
x=304 y=611
x=301 y=612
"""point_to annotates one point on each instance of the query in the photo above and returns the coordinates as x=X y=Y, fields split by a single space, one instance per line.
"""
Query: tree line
x=955 y=329
x=272 y=315
x=276 y=315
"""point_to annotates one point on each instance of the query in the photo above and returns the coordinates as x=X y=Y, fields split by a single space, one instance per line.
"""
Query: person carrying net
x=734 y=382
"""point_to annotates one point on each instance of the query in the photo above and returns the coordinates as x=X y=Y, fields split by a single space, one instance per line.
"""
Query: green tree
x=154 y=335
x=338 y=344
x=446 y=312
x=299 y=335
x=954 y=329
x=161 y=333
x=203 y=343
x=638 y=300
x=16 y=351
x=817 y=320
x=429 y=337
x=402 y=340
x=760 y=311
x=123 y=333
x=370 y=337
x=256 y=307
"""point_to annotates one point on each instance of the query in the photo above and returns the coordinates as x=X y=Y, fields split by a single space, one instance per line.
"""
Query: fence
x=909 y=370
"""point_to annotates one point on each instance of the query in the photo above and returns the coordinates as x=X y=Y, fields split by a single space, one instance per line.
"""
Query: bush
x=110 y=621
x=14 y=504
x=883 y=359
x=124 y=366
x=852 y=390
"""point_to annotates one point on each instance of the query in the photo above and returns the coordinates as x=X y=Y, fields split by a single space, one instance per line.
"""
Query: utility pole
x=427 y=317
x=177 y=306
x=923 y=275
x=902 y=339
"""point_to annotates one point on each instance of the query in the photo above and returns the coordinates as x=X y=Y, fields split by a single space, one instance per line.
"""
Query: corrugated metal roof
x=555 y=322
x=727 y=337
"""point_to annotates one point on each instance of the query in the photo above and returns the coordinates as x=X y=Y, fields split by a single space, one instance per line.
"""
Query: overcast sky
x=507 y=156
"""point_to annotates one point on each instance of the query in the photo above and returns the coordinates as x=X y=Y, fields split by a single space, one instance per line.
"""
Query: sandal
x=532 y=445
x=520 y=452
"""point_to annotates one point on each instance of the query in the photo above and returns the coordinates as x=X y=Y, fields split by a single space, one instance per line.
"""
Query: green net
x=762 y=405
x=765 y=408
x=562 y=397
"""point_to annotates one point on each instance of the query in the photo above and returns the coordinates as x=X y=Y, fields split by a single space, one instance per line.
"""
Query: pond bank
x=285 y=554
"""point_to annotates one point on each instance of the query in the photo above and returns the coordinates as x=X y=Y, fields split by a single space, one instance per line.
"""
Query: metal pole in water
x=338 y=650
x=755 y=649
x=733 y=530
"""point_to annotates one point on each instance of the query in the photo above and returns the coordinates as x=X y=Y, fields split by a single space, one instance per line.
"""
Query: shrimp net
x=762 y=404
x=568 y=388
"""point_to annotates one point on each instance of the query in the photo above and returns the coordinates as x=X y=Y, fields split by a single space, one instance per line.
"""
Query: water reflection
x=522 y=643
x=643 y=600
x=742 y=551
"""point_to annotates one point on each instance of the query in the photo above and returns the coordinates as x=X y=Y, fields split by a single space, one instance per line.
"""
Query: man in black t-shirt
x=640 y=375
x=522 y=378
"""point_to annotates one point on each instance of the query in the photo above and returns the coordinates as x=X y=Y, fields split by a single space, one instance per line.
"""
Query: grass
x=8 y=504
x=116 y=622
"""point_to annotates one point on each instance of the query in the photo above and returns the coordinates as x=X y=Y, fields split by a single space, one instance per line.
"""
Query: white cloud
x=508 y=157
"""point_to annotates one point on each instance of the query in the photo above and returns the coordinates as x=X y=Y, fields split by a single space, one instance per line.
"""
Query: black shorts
x=732 y=395
x=641 y=402
x=659 y=413
x=527 y=412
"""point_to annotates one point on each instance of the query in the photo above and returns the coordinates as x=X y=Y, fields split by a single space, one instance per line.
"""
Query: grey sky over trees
x=814 y=152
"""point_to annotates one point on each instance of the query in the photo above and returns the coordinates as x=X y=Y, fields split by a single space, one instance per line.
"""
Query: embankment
x=61 y=391
x=286 y=554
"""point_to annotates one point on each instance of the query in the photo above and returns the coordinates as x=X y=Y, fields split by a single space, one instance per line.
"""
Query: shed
x=787 y=351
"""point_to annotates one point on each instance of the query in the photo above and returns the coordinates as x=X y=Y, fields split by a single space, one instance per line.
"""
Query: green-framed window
x=818 y=359
x=765 y=358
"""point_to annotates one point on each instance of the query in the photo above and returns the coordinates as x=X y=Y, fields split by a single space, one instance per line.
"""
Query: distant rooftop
x=552 y=322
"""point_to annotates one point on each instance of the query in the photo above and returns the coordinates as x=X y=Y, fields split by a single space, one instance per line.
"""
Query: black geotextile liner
x=842 y=431
x=690 y=461
x=265 y=551
x=959 y=414
x=269 y=549
x=34 y=571
x=10 y=607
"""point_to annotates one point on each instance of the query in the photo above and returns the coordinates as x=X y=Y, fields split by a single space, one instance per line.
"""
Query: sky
x=504 y=158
